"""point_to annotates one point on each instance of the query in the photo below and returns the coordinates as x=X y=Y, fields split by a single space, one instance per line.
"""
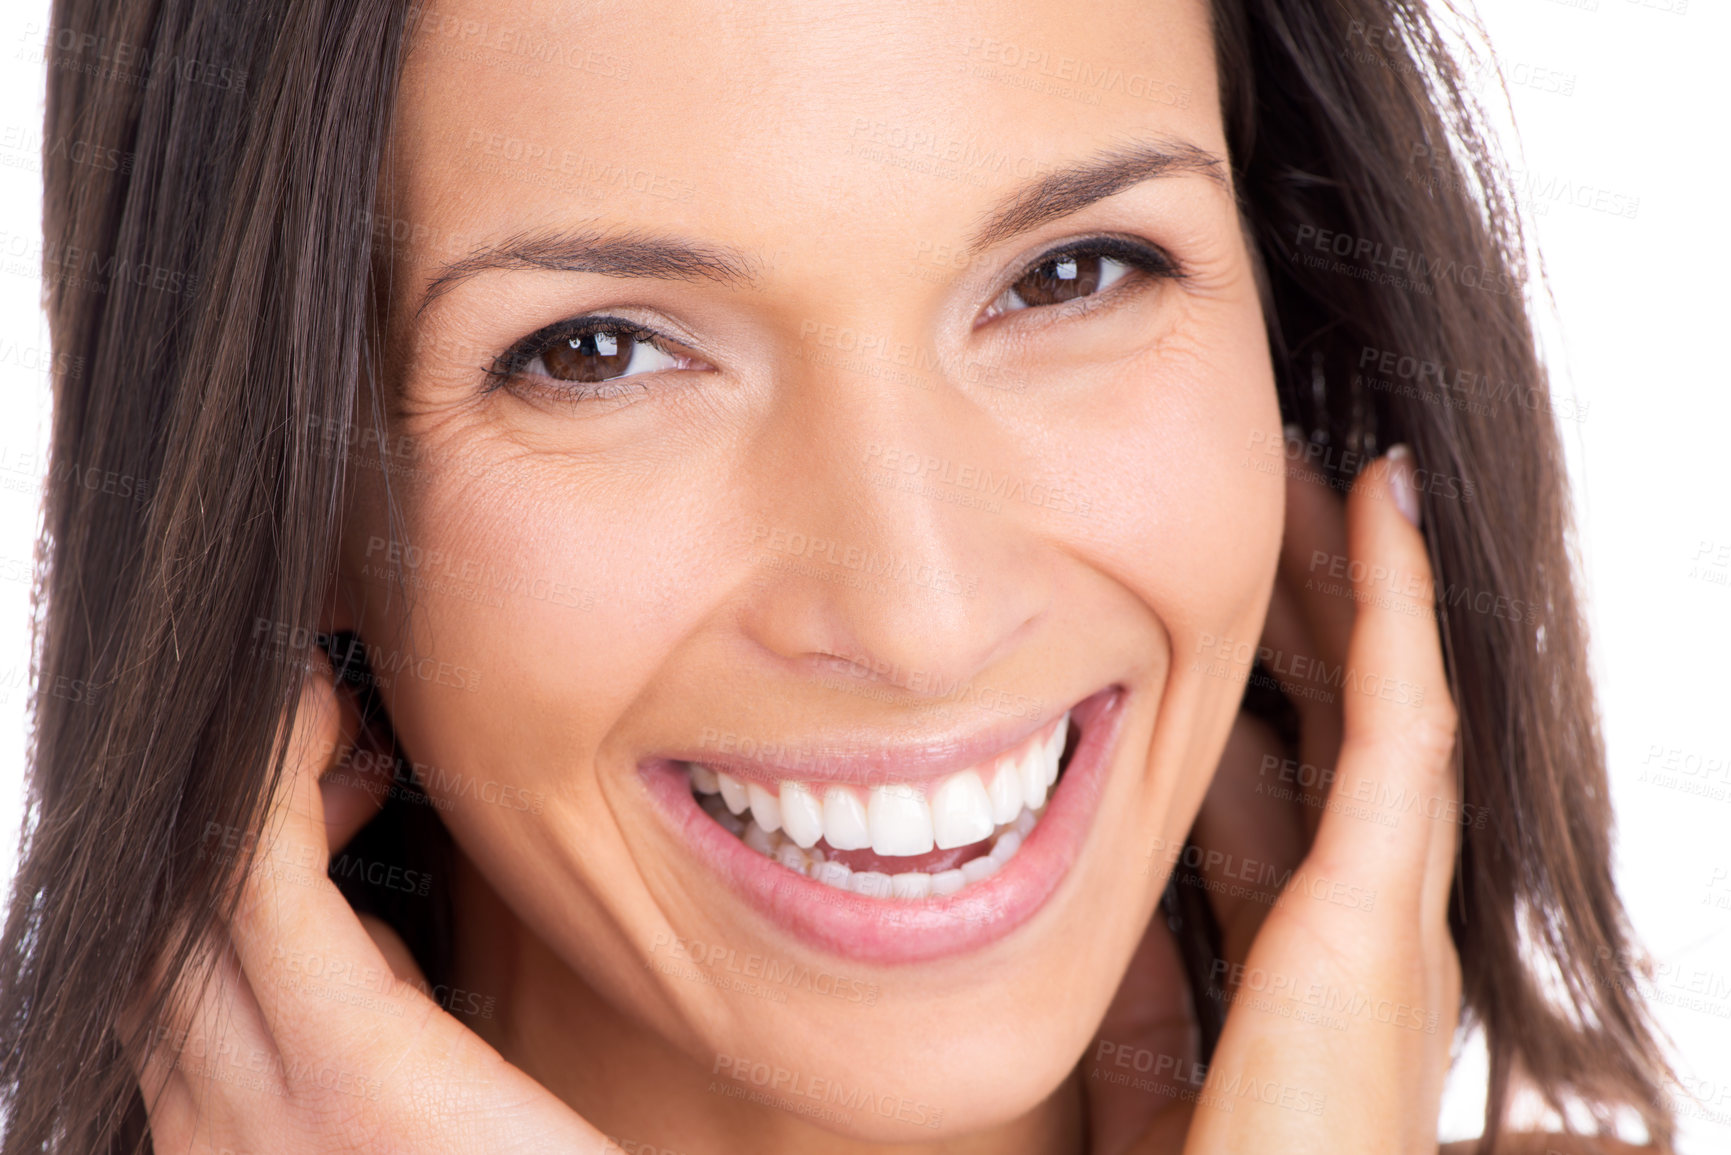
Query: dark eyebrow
x=1055 y=194
x=612 y=255
x=1075 y=187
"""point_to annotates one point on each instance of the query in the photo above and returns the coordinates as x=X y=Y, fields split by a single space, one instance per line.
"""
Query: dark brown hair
x=1350 y=118
x=221 y=291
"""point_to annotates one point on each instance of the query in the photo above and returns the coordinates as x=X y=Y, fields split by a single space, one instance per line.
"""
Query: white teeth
x=844 y=820
x=801 y=814
x=833 y=874
x=997 y=802
x=1030 y=771
x=794 y=858
x=948 y=882
x=962 y=811
x=758 y=839
x=732 y=793
x=913 y=884
x=1005 y=791
x=900 y=820
x=870 y=883
x=764 y=806
x=976 y=869
x=909 y=886
x=1060 y=735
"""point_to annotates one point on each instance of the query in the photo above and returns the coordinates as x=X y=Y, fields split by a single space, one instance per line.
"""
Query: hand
x=1343 y=985
x=1360 y=933
x=306 y=1039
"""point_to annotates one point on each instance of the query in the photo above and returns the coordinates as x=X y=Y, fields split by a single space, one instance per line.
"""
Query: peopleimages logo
x=997 y=485
x=1432 y=377
x=764 y=968
x=778 y=1080
x=1421 y=269
x=868 y=562
x=1085 y=77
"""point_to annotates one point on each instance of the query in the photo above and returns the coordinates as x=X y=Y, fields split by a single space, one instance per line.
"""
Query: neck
x=629 y=1082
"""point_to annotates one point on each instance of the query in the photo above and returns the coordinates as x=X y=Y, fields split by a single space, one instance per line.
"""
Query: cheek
x=1191 y=530
x=562 y=596
x=1191 y=516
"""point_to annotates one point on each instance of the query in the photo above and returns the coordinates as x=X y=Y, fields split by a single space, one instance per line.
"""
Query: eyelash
x=1149 y=261
x=508 y=367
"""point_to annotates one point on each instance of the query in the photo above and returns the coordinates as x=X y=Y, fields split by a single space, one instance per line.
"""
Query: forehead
x=760 y=124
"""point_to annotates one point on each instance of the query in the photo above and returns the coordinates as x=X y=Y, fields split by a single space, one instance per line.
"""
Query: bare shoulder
x=1547 y=1144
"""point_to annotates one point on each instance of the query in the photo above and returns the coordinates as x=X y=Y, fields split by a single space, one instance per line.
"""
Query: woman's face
x=833 y=395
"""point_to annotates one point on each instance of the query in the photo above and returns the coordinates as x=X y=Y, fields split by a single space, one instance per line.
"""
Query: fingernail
x=1400 y=482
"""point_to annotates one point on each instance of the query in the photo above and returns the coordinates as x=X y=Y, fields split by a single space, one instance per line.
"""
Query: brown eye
x=1065 y=278
x=1082 y=270
x=599 y=355
x=1055 y=280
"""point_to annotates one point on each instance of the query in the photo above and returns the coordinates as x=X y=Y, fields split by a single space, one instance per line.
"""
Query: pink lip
x=860 y=764
x=898 y=931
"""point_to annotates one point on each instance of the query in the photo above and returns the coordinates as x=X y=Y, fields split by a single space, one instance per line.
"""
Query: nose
x=880 y=541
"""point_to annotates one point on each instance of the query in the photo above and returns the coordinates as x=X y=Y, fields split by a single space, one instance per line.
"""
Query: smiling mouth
x=897 y=840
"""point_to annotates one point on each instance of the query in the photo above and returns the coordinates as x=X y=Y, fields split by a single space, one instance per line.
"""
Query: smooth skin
x=597 y=581
x=263 y=1060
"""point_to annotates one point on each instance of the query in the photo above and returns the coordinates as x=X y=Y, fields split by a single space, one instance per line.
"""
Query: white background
x=1626 y=97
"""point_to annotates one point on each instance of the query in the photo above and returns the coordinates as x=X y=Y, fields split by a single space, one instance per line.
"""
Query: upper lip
x=856 y=761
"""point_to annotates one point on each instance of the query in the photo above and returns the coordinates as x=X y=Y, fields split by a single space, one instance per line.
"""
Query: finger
x=1354 y=924
x=330 y=1012
x=209 y=1019
x=212 y=1061
x=395 y=950
x=1399 y=719
x=309 y=961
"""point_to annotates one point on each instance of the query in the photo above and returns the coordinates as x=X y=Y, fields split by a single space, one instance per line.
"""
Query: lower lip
x=902 y=931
